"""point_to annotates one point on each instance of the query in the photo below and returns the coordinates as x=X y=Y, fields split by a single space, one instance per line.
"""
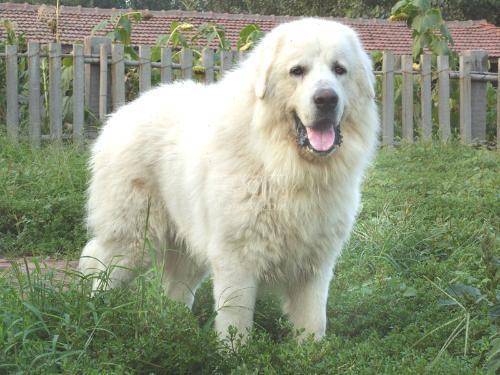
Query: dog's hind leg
x=182 y=276
x=111 y=263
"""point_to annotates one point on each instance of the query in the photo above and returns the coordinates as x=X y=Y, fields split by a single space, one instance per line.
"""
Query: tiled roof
x=76 y=22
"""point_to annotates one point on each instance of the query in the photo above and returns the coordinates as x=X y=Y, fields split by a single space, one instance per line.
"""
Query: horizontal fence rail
x=102 y=78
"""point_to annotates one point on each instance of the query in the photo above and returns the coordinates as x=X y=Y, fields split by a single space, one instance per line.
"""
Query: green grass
x=41 y=200
x=414 y=291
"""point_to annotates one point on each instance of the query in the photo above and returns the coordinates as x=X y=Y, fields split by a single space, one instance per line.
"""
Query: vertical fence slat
x=55 y=91
x=35 y=129
x=78 y=93
x=166 y=65
x=117 y=76
x=12 y=93
x=144 y=68
x=92 y=81
x=103 y=82
x=407 y=99
x=241 y=56
x=479 y=102
x=443 y=66
x=187 y=63
x=208 y=64
x=226 y=61
x=426 y=96
x=236 y=57
x=388 y=98
x=465 y=99
x=498 y=104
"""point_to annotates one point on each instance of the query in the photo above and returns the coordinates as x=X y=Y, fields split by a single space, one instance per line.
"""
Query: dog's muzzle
x=322 y=138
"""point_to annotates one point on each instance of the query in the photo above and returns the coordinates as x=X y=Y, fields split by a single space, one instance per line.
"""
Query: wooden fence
x=98 y=87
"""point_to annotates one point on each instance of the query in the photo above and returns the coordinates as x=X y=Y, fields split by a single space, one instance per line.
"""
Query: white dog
x=255 y=179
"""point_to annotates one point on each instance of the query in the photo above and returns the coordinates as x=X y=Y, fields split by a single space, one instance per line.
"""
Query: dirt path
x=45 y=263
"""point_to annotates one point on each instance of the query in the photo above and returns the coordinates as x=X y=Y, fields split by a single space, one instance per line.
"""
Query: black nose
x=325 y=99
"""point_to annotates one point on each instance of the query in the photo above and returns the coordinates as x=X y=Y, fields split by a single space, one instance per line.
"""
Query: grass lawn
x=416 y=290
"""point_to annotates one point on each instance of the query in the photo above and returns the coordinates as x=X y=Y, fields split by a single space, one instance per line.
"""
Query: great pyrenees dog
x=254 y=179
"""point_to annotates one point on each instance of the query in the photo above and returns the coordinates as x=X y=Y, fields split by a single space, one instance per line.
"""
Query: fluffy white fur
x=230 y=192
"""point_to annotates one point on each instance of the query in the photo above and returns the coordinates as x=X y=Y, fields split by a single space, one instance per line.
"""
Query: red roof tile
x=77 y=22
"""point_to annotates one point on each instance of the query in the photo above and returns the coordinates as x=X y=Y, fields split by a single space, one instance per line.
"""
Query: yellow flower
x=398 y=17
x=246 y=46
x=185 y=26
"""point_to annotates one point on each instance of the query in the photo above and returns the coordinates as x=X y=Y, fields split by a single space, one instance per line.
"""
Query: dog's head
x=313 y=73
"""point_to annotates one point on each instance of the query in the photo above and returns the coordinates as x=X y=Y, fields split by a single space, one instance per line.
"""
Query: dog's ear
x=265 y=56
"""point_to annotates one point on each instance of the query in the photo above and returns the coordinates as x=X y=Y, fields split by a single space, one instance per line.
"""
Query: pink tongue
x=321 y=139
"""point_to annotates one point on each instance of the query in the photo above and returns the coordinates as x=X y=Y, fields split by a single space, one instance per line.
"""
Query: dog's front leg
x=235 y=290
x=305 y=303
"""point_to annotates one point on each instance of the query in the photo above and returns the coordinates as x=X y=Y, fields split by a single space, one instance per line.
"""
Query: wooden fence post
x=35 y=127
x=426 y=96
x=388 y=98
x=78 y=93
x=407 y=99
x=479 y=63
x=166 y=65
x=55 y=92
x=103 y=82
x=12 y=93
x=241 y=56
x=91 y=46
x=208 y=64
x=226 y=62
x=144 y=68
x=465 y=99
x=443 y=66
x=187 y=63
x=117 y=76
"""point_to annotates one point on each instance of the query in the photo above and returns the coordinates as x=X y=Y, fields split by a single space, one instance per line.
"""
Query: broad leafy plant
x=121 y=29
x=249 y=36
x=428 y=27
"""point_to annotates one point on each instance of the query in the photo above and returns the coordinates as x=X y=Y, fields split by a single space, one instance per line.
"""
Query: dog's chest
x=292 y=234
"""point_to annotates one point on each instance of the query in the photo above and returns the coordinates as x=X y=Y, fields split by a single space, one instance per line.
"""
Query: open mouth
x=322 y=138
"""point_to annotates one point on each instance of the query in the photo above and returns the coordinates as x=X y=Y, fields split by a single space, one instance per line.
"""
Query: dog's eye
x=339 y=69
x=297 y=71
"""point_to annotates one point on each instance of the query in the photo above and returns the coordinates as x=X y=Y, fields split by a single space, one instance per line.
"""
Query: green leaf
x=417 y=23
x=155 y=53
x=100 y=26
x=173 y=26
x=494 y=311
x=135 y=16
x=247 y=30
x=423 y=5
x=410 y=292
x=433 y=18
x=439 y=47
x=445 y=33
x=493 y=356
x=131 y=52
x=67 y=62
x=182 y=40
x=462 y=291
x=125 y=24
x=174 y=39
x=447 y=302
x=162 y=40
x=210 y=37
x=417 y=46
x=400 y=4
